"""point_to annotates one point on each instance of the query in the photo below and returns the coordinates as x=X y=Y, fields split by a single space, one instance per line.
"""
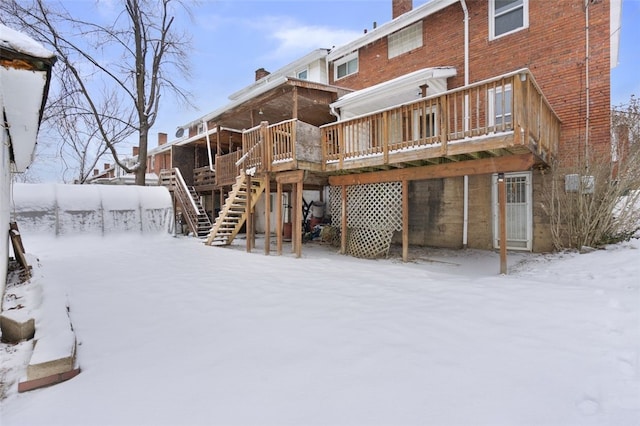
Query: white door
x=519 y=211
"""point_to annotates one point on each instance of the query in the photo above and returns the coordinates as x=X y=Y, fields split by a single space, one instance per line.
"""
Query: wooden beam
x=405 y=220
x=512 y=163
x=290 y=177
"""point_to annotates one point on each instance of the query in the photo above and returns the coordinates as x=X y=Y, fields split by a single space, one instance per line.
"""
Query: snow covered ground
x=173 y=332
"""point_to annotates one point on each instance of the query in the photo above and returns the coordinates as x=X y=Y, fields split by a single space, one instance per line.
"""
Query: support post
x=267 y=214
x=405 y=220
x=343 y=231
x=249 y=215
x=502 y=222
x=299 y=203
x=294 y=215
x=279 y=218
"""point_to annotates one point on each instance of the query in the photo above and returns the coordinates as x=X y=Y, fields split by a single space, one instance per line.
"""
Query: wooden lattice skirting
x=374 y=213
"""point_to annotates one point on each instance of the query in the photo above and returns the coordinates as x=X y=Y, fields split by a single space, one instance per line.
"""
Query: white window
x=500 y=107
x=303 y=74
x=519 y=211
x=346 y=66
x=200 y=128
x=405 y=40
x=424 y=125
x=507 y=16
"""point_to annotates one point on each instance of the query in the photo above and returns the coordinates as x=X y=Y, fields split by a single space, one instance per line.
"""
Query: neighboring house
x=25 y=73
x=414 y=127
x=113 y=174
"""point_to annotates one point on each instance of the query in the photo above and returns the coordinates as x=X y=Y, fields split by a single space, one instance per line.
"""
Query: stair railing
x=190 y=209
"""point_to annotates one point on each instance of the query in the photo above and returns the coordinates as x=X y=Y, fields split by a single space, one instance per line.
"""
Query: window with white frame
x=519 y=209
x=507 y=16
x=500 y=107
x=346 y=65
x=405 y=40
x=303 y=74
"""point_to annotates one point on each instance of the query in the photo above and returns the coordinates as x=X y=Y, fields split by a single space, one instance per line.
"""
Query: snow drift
x=94 y=209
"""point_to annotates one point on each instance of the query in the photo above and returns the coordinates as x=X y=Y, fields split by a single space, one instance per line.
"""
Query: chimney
x=106 y=166
x=136 y=151
x=261 y=73
x=162 y=138
x=400 y=7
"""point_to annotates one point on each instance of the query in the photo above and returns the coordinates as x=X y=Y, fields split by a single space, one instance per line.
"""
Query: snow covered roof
x=393 y=92
x=287 y=70
x=16 y=41
x=384 y=30
x=25 y=72
x=263 y=85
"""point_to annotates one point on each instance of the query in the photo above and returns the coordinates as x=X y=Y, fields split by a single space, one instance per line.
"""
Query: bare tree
x=600 y=204
x=108 y=100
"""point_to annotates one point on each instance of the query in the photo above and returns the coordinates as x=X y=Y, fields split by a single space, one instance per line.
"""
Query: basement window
x=507 y=16
x=405 y=40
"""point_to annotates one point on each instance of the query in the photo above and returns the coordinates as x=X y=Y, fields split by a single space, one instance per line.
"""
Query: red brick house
x=432 y=129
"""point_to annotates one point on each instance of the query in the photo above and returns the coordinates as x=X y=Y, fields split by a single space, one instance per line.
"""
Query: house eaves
x=397 y=91
x=285 y=71
x=258 y=91
x=199 y=136
x=25 y=75
x=391 y=27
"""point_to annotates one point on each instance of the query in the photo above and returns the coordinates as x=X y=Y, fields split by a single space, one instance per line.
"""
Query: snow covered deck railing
x=507 y=112
x=272 y=147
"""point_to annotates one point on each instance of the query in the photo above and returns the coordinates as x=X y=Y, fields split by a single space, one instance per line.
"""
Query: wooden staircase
x=202 y=221
x=189 y=200
x=234 y=213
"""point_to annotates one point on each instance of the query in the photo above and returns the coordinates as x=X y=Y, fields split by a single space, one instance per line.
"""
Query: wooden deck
x=505 y=116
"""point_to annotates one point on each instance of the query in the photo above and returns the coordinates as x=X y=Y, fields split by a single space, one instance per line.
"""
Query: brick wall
x=553 y=47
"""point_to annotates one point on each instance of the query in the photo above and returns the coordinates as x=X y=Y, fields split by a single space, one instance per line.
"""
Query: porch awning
x=394 y=92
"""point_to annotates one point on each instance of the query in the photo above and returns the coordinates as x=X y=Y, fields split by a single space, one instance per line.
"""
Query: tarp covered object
x=91 y=209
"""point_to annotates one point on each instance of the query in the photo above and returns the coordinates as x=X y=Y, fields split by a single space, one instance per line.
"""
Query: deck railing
x=226 y=168
x=509 y=104
x=267 y=144
x=203 y=176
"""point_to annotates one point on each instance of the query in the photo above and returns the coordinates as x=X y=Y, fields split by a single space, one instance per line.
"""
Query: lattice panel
x=374 y=212
x=368 y=243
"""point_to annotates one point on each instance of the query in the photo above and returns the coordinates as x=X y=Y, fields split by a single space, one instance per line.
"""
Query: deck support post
x=343 y=231
x=278 y=218
x=405 y=220
x=293 y=210
x=267 y=214
x=249 y=214
x=502 y=222
x=298 y=223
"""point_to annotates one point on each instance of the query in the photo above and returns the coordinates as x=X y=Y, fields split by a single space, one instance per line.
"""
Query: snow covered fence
x=94 y=209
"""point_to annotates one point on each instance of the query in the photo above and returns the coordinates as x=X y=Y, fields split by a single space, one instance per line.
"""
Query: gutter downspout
x=587 y=96
x=206 y=132
x=465 y=195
